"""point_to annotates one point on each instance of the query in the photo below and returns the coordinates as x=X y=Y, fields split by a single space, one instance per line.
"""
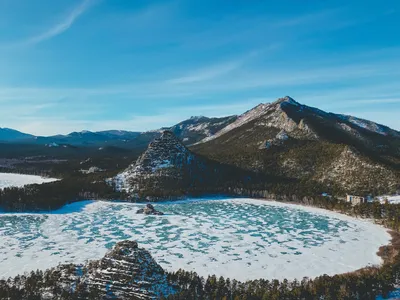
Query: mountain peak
x=167 y=134
x=287 y=100
x=197 y=118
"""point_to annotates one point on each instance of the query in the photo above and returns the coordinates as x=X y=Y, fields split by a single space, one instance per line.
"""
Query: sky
x=72 y=65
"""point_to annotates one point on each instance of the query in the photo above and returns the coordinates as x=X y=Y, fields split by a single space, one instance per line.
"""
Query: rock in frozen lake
x=149 y=210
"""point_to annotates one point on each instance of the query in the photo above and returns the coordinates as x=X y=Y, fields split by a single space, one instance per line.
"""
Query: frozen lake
x=19 y=180
x=236 y=238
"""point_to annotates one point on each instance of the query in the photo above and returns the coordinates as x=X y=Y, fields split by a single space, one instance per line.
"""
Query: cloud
x=63 y=25
x=306 y=19
x=207 y=73
x=221 y=69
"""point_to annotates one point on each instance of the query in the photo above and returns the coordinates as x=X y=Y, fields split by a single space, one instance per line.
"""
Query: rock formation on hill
x=125 y=272
x=168 y=167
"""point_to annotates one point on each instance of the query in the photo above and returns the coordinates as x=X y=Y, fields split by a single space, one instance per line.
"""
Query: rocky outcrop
x=278 y=140
x=165 y=159
x=149 y=210
x=125 y=272
x=169 y=168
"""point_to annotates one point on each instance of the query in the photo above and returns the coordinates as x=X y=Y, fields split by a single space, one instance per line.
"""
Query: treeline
x=366 y=284
x=303 y=160
x=49 y=196
x=47 y=285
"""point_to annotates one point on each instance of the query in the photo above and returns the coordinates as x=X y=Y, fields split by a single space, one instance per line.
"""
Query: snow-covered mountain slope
x=197 y=128
x=297 y=119
x=290 y=139
x=266 y=115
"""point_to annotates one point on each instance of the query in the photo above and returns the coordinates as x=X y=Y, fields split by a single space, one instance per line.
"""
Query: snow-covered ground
x=19 y=180
x=393 y=199
x=236 y=238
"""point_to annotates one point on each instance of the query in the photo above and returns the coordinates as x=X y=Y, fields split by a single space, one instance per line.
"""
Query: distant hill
x=7 y=134
x=189 y=131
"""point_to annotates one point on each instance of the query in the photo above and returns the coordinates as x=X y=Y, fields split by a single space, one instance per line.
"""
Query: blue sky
x=70 y=65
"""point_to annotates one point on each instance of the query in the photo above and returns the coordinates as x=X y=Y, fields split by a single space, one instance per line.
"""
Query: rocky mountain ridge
x=286 y=138
x=297 y=119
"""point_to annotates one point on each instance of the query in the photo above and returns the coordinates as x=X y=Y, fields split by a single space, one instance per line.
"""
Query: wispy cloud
x=306 y=19
x=207 y=73
x=220 y=69
x=63 y=25
x=377 y=101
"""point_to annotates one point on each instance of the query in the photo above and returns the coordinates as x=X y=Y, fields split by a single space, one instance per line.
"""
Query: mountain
x=89 y=138
x=169 y=168
x=7 y=134
x=189 y=131
x=287 y=138
x=198 y=128
x=125 y=272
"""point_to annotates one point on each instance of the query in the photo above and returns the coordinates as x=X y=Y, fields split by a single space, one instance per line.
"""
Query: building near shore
x=355 y=200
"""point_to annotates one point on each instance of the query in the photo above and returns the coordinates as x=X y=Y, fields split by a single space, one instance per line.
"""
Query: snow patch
x=20 y=180
x=392 y=199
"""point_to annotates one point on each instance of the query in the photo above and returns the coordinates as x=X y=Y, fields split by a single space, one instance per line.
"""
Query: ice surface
x=236 y=238
x=395 y=295
x=19 y=180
